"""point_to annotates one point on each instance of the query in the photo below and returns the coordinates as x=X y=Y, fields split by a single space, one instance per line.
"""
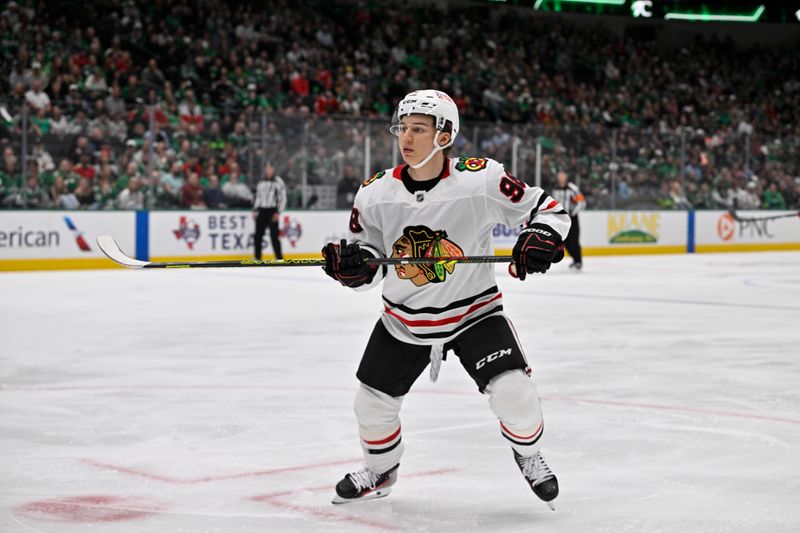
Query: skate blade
x=551 y=505
x=380 y=493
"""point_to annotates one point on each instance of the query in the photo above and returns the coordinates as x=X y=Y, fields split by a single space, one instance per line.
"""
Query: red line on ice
x=191 y=481
x=322 y=488
x=90 y=508
x=273 y=498
x=332 y=515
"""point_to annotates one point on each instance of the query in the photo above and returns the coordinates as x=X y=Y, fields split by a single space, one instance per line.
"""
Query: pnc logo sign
x=745 y=230
x=726 y=226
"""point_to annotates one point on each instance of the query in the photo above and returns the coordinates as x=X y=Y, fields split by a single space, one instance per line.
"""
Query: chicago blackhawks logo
x=473 y=164
x=377 y=176
x=421 y=241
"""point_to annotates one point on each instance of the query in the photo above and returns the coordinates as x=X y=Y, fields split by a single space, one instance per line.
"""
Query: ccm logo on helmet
x=491 y=357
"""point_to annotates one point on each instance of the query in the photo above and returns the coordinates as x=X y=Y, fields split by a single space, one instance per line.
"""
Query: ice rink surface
x=221 y=401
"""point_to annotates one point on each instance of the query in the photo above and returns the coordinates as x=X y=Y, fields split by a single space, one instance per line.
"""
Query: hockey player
x=569 y=196
x=436 y=206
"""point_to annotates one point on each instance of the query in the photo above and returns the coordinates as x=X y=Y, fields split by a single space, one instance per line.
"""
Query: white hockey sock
x=514 y=399
x=379 y=428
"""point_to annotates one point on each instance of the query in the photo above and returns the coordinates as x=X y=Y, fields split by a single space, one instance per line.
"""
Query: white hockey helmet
x=433 y=103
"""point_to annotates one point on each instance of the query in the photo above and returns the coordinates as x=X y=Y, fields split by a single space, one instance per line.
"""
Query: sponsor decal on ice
x=633 y=228
x=188 y=231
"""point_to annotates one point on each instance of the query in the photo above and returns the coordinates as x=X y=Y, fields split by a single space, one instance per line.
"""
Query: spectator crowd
x=130 y=104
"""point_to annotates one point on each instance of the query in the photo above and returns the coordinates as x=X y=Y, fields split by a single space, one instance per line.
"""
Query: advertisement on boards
x=604 y=232
x=62 y=234
x=748 y=230
x=232 y=233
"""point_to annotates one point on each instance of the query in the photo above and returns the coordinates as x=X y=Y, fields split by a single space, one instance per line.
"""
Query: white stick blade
x=110 y=247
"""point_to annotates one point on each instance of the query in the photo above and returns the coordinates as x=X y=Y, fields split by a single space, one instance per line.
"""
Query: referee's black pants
x=263 y=221
x=572 y=243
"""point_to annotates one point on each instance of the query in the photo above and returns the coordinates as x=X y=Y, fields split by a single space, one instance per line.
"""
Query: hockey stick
x=737 y=218
x=110 y=247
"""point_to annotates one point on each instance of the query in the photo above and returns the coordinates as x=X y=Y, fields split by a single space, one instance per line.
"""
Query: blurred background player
x=435 y=206
x=569 y=196
x=270 y=203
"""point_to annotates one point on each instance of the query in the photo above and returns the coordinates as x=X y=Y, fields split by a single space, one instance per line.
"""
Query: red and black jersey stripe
x=477 y=307
x=551 y=204
x=436 y=310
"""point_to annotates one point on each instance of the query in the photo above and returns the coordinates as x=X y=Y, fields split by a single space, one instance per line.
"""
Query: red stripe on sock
x=535 y=432
x=384 y=441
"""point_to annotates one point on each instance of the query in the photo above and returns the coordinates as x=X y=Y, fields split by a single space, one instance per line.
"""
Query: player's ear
x=444 y=138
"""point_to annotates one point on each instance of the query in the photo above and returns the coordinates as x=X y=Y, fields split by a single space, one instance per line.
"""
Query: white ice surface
x=221 y=400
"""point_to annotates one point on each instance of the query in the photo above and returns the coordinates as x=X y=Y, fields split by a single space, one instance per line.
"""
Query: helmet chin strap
x=436 y=148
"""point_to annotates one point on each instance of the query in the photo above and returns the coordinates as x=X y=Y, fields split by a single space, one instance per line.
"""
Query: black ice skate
x=365 y=485
x=576 y=266
x=539 y=477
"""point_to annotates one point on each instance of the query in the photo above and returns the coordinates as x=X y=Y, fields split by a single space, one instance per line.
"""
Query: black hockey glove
x=345 y=263
x=537 y=247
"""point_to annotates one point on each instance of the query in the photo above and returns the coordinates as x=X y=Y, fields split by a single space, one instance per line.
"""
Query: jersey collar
x=399 y=170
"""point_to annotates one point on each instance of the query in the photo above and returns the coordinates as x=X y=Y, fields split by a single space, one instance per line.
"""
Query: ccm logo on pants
x=491 y=357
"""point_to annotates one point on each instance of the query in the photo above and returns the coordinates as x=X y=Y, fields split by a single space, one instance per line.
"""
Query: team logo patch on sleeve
x=421 y=241
x=473 y=164
x=377 y=176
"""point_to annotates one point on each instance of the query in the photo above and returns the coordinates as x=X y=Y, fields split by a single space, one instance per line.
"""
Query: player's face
x=415 y=137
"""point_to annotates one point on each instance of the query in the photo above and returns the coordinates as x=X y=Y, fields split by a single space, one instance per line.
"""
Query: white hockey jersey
x=431 y=304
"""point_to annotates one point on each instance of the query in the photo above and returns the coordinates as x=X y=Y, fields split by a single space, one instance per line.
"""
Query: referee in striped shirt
x=270 y=201
x=569 y=196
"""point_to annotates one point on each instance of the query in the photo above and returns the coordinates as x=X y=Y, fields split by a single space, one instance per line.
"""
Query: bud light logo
x=504 y=234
